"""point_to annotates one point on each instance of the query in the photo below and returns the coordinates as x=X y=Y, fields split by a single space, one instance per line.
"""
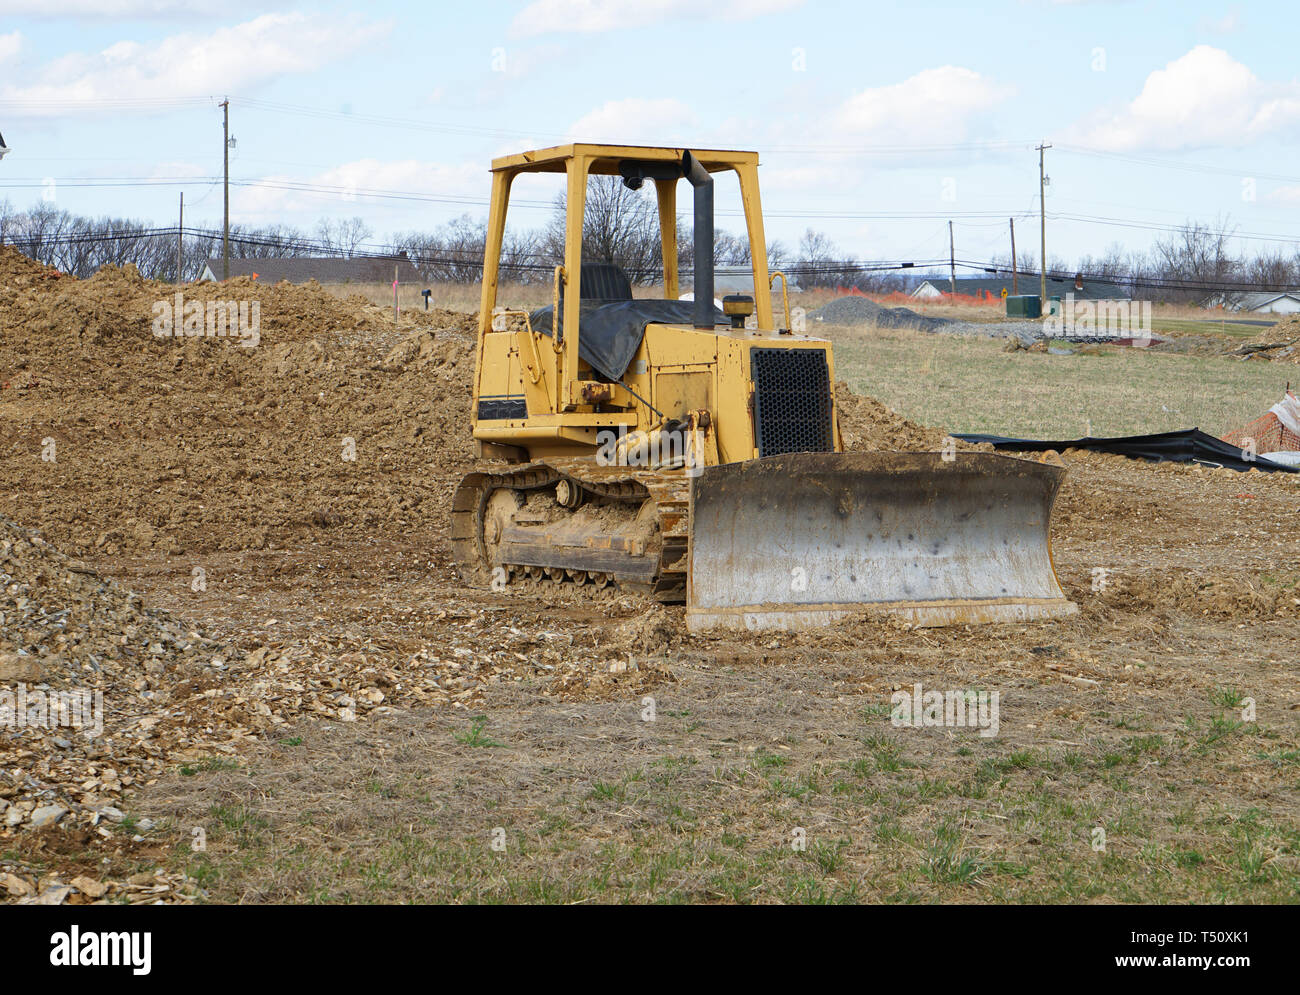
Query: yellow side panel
x=667 y=346
x=501 y=374
x=677 y=393
x=734 y=421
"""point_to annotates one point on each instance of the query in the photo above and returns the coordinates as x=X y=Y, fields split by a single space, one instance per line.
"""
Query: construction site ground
x=305 y=705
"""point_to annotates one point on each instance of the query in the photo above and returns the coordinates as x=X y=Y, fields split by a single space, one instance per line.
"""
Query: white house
x=1263 y=302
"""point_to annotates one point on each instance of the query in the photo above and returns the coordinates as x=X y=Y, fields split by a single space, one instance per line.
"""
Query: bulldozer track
x=658 y=570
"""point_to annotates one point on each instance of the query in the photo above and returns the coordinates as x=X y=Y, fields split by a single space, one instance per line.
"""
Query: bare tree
x=1195 y=260
x=343 y=235
x=820 y=263
x=1270 y=271
x=619 y=226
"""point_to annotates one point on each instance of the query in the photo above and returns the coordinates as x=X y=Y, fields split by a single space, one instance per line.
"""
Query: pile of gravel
x=854 y=310
x=61 y=622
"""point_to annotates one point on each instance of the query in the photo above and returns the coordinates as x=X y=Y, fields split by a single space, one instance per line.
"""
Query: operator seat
x=604 y=282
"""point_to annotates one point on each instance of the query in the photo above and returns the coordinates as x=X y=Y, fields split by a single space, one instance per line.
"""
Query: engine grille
x=792 y=401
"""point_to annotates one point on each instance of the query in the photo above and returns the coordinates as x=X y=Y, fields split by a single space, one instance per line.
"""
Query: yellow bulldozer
x=693 y=453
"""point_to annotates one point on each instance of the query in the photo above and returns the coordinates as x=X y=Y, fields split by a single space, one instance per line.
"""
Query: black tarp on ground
x=1190 y=445
x=612 y=330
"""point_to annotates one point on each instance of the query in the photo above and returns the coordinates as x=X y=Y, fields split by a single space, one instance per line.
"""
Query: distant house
x=1027 y=284
x=329 y=270
x=738 y=280
x=1260 y=302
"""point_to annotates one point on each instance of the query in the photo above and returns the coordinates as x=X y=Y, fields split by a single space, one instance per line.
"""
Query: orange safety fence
x=898 y=297
x=1267 y=432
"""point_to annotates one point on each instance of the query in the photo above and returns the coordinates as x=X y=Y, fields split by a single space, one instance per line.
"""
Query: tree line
x=1192 y=264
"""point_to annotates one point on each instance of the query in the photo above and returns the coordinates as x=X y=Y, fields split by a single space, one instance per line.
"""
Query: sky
x=876 y=124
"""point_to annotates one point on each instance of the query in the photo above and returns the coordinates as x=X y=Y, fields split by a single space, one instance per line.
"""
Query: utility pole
x=180 y=235
x=1015 y=270
x=952 y=263
x=225 y=155
x=1042 y=230
x=4 y=151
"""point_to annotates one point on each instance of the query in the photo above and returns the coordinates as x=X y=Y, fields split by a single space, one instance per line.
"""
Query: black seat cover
x=612 y=322
x=611 y=331
x=604 y=282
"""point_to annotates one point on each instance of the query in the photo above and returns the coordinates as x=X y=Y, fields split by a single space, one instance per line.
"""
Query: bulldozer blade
x=805 y=539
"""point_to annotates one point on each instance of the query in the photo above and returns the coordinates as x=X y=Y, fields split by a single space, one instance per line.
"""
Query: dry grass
x=451 y=296
x=408 y=295
x=969 y=384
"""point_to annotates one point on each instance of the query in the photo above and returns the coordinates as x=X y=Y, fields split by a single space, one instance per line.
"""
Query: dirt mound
x=20 y=270
x=122 y=441
x=1287 y=327
x=1220 y=594
x=118 y=303
x=650 y=632
x=465 y=322
x=867 y=425
x=422 y=349
x=1281 y=343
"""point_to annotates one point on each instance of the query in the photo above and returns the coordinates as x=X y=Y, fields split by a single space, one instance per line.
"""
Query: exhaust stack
x=702 y=181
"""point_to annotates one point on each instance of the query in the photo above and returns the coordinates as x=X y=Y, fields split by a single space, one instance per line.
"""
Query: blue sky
x=875 y=123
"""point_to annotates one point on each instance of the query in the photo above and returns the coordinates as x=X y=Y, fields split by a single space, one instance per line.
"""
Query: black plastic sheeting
x=1189 y=445
x=611 y=331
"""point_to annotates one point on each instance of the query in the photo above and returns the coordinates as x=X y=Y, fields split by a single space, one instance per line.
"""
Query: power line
x=988 y=219
x=804 y=148
x=982 y=218
x=1187 y=167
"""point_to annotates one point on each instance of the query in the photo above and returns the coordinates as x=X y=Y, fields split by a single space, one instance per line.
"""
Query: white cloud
x=636 y=121
x=9 y=45
x=233 y=58
x=934 y=106
x=590 y=16
x=113 y=8
x=1285 y=195
x=1205 y=98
